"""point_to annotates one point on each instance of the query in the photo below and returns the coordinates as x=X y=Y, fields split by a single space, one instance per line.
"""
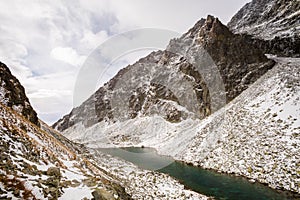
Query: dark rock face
x=12 y=94
x=274 y=24
x=238 y=61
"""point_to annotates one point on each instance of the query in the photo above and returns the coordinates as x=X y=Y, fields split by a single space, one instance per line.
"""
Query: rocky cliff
x=12 y=94
x=238 y=62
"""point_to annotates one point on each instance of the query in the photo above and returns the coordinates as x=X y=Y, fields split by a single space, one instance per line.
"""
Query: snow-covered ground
x=257 y=135
x=34 y=165
x=144 y=184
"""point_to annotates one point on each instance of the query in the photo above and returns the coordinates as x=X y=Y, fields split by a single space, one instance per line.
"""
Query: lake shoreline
x=285 y=193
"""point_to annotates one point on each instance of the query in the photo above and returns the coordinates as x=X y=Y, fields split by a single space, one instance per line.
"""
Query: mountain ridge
x=237 y=60
x=273 y=24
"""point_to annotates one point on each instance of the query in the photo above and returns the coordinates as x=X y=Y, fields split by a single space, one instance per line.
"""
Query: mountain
x=12 y=94
x=274 y=21
x=252 y=132
x=37 y=162
x=153 y=82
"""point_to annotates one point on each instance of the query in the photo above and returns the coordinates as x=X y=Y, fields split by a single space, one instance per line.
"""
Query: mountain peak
x=213 y=29
x=238 y=62
x=210 y=26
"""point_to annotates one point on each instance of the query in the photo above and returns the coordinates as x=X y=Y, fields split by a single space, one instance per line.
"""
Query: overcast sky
x=44 y=43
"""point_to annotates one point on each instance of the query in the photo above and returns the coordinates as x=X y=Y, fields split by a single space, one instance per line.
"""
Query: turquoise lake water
x=208 y=182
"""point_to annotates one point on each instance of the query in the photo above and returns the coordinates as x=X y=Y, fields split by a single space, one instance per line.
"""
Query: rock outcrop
x=12 y=94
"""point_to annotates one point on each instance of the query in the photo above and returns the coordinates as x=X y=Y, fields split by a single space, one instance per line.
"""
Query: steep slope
x=260 y=135
x=158 y=83
x=277 y=22
x=267 y=19
x=12 y=94
x=35 y=165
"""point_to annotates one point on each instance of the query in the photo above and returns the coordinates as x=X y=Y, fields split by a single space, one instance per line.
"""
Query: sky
x=45 y=43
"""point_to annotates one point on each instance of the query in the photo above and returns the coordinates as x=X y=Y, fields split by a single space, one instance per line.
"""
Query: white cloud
x=50 y=98
x=91 y=40
x=68 y=55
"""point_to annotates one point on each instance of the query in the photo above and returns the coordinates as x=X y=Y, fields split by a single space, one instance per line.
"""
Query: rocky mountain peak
x=238 y=62
x=213 y=28
x=12 y=94
x=209 y=27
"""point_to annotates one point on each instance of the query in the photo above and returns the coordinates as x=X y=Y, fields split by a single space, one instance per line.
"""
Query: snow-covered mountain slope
x=274 y=25
x=144 y=184
x=257 y=135
x=12 y=94
x=267 y=19
x=259 y=132
x=35 y=165
x=209 y=63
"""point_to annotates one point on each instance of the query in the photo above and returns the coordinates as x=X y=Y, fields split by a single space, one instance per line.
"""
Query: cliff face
x=12 y=94
x=153 y=79
x=275 y=22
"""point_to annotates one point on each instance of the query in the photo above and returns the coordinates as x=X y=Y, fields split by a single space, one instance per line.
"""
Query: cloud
x=14 y=55
x=50 y=98
x=91 y=40
x=68 y=55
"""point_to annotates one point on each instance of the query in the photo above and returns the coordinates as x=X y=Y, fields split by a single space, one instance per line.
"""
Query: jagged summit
x=205 y=26
x=12 y=94
x=238 y=62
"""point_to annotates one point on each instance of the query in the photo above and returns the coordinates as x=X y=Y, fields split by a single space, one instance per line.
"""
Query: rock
x=14 y=95
x=54 y=171
x=16 y=192
x=101 y=194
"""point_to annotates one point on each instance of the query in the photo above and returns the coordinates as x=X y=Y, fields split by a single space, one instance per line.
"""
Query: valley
x=213 y=115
